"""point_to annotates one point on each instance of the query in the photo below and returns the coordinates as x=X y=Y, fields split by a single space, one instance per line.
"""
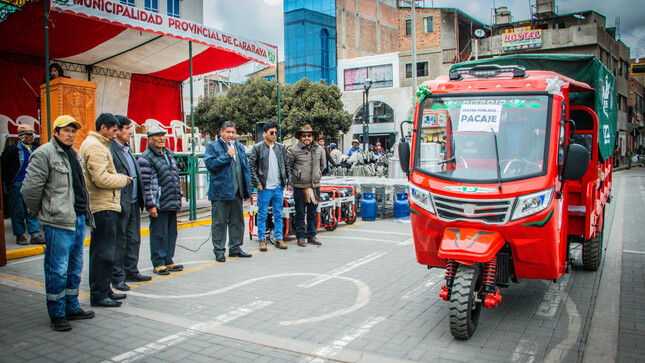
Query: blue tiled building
x=310 y=40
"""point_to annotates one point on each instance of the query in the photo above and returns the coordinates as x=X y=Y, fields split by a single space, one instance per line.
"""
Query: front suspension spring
x=489 y=272
x=451 y=270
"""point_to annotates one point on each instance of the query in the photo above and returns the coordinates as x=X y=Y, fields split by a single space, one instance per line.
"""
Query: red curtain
x=154 y=98
x=17 y=98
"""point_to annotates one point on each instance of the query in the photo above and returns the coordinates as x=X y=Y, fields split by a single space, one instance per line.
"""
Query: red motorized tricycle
x=508 y=168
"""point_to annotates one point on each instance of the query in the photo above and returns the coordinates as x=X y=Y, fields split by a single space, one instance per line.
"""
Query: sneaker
x=175 y=267
x=21 y=240
x=60 y=324
x=280 y=244
x=37 y=240
x=161 y=270
x=263 y=245
x=80 y=314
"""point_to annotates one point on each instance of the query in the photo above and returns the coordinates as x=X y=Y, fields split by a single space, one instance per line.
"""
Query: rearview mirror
x=577 y=162
x=404 y=157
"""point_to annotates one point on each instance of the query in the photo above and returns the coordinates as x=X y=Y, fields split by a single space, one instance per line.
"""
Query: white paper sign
x=480 y=118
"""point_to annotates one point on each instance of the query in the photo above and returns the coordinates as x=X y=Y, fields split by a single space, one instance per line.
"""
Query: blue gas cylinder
x=401 y=206
x=369 y=207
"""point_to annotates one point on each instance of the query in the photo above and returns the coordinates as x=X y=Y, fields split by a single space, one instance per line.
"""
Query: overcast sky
x=263 y=19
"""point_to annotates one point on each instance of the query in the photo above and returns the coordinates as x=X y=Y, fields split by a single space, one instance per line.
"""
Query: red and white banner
x=140 y=19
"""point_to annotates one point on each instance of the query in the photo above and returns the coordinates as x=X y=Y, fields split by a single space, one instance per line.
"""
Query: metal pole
x=414 y=47
x=193 y=164
x=48 y=103
x=366 y=119
x=277 y=77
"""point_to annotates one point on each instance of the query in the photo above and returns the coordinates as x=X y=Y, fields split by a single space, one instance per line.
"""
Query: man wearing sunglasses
x=270 y=174
x=307 y=161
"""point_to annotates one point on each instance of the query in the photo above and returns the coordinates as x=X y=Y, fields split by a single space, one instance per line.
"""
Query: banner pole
x=48 y=102
x=193 y=162
x=277 y=77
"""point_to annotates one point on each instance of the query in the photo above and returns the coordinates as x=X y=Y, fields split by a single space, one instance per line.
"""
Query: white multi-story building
x=192 y=10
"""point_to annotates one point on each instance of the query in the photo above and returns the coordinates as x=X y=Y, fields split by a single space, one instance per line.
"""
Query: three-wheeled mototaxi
x=509 y=169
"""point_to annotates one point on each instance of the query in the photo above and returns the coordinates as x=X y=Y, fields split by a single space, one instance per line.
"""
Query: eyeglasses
x=307 y=135
x=272 y=133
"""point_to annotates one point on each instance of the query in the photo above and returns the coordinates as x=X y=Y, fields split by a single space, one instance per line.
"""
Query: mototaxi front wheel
x=465 y=305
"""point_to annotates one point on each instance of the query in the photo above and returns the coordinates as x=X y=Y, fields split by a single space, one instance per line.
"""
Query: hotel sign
x=522 y=40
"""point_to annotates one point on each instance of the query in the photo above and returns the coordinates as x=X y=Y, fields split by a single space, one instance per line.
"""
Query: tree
x=318 y=105
x=256 y=100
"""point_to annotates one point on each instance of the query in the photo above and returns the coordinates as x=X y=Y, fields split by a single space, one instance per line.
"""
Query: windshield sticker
x=470 y=190
x=480 y=118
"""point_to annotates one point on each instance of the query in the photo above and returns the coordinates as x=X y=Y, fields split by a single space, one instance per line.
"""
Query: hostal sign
x=522 y=40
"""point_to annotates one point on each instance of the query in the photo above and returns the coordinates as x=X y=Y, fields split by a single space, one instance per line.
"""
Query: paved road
x=359 y=297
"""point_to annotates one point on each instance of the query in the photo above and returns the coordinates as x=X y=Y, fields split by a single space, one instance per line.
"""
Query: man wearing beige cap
x=15 y=159
x=54 y=189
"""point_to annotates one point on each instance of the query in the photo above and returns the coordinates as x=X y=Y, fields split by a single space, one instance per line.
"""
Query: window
x=127 y=2
x=173 y=8
x=422 y=69
x=151 y=5
x=428 y=25
x=324 y=55
x=408 y=27
x=381 y=77
x=379 y=112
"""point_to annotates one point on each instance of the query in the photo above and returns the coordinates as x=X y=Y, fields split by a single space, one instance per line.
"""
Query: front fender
x=470 y=244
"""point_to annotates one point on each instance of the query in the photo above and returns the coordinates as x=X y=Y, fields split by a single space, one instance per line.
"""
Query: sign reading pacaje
x=481 y=118
x=522 y=40
x=136 y=18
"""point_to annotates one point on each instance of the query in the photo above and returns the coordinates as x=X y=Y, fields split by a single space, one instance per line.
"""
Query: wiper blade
x=499 y=172
x=452 y=159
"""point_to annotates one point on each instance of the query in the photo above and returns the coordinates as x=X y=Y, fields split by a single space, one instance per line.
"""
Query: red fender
x=470 y=244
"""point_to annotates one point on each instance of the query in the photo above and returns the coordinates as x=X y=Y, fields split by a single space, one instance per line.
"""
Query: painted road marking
x=420 y=290
x=407 y=242
x=367 y=239
x=12 y=262
x=380 y=232
x=341 y=270
x=147 y=350
x=634 y=252
x=551 y=300
x=329 y=351
x=524 y=351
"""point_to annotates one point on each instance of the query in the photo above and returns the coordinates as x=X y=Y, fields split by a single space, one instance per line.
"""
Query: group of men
x=271 y=169
x=105 y=187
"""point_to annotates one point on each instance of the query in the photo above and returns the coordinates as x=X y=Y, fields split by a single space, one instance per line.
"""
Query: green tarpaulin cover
x=583 y=68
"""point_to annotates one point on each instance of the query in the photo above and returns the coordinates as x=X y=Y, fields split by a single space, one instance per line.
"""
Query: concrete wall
x=365 y=27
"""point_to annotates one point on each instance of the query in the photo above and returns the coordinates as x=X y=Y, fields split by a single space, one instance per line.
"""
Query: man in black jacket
x=15 y=159
x=270 y=174
x=128 y=236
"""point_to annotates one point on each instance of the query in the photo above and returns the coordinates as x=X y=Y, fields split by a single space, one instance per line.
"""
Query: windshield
x=456 y=137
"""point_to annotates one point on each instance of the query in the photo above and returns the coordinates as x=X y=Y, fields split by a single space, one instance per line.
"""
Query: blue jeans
x=19 y=213
x=273 y=196
x=63 y=266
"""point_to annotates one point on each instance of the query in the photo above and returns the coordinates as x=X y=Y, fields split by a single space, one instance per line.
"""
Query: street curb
x=39 y=250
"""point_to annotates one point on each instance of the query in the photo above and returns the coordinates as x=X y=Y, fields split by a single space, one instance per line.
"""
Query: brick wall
x=365 y=27
x=424 y=40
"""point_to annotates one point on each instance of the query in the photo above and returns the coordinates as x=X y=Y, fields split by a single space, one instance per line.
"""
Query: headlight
x=530 y=204
x=421 y=197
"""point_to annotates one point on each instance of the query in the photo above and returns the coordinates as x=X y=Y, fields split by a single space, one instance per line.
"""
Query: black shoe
x=61 y=324
x=115 y=296
x=80 y=314
x=138 y=277
x=240 y=254
x=175 y=267
x=121 y=286
x=220 y=258
x=107 y=303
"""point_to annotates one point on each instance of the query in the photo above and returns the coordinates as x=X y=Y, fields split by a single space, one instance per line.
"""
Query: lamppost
x=366 y=113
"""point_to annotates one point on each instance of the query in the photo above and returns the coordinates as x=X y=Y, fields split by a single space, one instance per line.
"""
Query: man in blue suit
x=230 y=185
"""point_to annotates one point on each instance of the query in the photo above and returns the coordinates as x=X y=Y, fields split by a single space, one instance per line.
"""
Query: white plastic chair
x=5 y=134
x=28 y=120
x=138 y=135
x=182 y=132
x=152 y=122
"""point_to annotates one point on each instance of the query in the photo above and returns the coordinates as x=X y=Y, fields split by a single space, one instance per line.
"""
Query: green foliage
x=256 y=100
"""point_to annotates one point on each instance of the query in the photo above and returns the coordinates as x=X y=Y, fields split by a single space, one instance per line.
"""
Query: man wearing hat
x=15 y=160
x=162 y=195
x=335 y=154
x=54 y=189
x=104 y=186
x=307 y=160
x=355 y=148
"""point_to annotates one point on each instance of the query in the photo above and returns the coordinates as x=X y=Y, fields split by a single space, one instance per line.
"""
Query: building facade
x=192 y=10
